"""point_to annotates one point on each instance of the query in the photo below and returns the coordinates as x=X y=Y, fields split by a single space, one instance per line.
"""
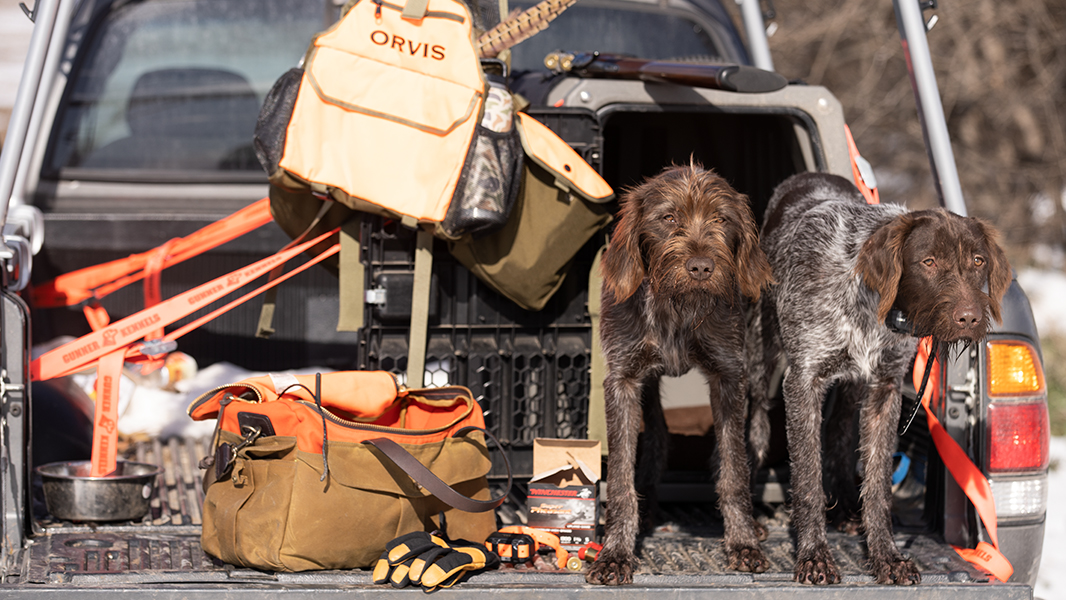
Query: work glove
x=451 y=567
x=430 y=561
x=394 y=564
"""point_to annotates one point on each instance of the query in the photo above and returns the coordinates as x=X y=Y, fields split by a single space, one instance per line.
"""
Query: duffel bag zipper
x=209 y=394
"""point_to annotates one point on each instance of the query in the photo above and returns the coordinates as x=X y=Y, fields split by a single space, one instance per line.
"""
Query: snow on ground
x=1046 y=290
x=1050 y=584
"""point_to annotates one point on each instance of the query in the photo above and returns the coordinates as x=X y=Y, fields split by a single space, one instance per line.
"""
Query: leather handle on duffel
x=435 y=485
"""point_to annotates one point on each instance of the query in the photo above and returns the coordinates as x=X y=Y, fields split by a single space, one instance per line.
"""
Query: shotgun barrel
x=733 y=78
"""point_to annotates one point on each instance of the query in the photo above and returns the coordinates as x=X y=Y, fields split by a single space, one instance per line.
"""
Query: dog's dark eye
x=929 y=262
x=978 y=261
x=720 y=220
x=669 y=219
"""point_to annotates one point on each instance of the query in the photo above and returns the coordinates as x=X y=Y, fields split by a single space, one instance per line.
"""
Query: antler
x=521 y=27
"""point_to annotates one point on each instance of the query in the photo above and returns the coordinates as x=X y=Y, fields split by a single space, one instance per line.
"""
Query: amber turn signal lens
x=1013 y=369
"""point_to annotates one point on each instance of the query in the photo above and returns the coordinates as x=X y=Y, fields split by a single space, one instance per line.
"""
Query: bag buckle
x=226 y=453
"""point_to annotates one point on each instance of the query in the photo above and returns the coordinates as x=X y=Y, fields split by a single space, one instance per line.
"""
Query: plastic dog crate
x=529 y=371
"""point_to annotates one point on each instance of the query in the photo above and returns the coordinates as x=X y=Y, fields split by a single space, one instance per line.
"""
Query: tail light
x=1018 y=436
x=1014 y=370
x=1017 y=429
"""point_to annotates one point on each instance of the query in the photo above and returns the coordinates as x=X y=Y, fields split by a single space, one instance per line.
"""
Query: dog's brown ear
x=753 y=268
x=623 y=266
x=880 y=261
x=999 y=271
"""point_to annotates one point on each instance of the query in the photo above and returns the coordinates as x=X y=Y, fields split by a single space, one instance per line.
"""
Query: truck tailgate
x=161 y=557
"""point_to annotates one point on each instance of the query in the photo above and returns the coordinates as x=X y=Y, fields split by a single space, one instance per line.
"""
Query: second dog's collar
x=897 y=321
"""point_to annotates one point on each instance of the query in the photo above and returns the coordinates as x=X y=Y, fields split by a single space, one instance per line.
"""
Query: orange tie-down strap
x=97 y=281
x=869 y=192
x=972 y=481
x=83 y=352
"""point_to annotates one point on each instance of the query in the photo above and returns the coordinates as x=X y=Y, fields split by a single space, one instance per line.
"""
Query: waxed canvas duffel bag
x=321 y=471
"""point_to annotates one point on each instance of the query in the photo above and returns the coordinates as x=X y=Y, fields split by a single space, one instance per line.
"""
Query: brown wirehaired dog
x=684 y=252
x=842 y=266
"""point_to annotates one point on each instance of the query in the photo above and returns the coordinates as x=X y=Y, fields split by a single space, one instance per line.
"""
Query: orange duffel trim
x=357 y=406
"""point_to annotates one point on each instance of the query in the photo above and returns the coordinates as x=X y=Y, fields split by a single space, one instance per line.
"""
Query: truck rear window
x=176 y=85
x=647 y=31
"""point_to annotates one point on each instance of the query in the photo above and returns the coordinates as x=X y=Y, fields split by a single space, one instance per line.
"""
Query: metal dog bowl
x=70 y=493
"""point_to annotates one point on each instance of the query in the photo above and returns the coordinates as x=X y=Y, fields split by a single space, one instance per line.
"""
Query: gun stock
x=733 y=78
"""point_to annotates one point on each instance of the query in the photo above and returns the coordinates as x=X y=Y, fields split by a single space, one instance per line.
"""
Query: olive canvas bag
x=322 y=471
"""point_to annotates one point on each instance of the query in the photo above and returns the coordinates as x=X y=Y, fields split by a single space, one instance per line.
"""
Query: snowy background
x=1046 y=290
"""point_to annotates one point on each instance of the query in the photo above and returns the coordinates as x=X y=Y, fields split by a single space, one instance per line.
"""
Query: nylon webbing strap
x=352 y=286
x=99 y=280
x=416 y=350
x=82 y=352
x=597 y=426
x=265 y=328
x=415 y=9
x=105 y=418
x=970 y=479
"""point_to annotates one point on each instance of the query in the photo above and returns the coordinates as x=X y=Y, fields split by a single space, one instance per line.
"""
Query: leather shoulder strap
x=434 y=484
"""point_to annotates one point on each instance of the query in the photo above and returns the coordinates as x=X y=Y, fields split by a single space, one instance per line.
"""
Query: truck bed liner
x=161 y=557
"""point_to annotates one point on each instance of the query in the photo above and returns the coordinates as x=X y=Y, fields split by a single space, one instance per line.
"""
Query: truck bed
x=160 y=557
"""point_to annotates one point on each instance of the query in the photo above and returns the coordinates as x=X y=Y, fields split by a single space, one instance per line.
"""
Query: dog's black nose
x=967 y=316
x=699 y=268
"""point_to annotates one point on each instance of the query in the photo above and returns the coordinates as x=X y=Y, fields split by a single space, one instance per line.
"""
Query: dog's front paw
x=898 y=571
x=817 y=569
x=612 y=569
x=747 y=559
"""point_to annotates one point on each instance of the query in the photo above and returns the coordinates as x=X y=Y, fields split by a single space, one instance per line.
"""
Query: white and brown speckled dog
x=684 y=252
x=841 y=265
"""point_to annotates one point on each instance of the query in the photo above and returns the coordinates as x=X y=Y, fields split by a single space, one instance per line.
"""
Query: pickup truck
x=133 y=126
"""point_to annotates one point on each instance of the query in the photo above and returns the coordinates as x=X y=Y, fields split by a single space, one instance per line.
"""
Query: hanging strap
x=82 y=352
x=416 y=350
x=270 y=300
x=912 y=411
x=597 y=425
x=97 y=281
x=105 y=418
x=435 y=485
x=970 y=479
x=351 y=276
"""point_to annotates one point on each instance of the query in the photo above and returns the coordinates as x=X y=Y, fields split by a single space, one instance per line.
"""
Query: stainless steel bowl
x=70 y=493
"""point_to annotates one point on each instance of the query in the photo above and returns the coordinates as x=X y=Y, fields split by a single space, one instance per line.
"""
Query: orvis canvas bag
x=392 y=114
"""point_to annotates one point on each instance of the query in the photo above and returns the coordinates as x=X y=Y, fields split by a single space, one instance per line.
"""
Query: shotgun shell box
x=562 y=495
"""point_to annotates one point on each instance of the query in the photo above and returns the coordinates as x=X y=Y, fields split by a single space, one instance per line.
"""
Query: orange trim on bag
x=966 y=474
x=374 y=408
x=550 y=151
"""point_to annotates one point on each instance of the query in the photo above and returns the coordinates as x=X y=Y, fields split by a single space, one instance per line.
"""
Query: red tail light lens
x=1018 y=436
